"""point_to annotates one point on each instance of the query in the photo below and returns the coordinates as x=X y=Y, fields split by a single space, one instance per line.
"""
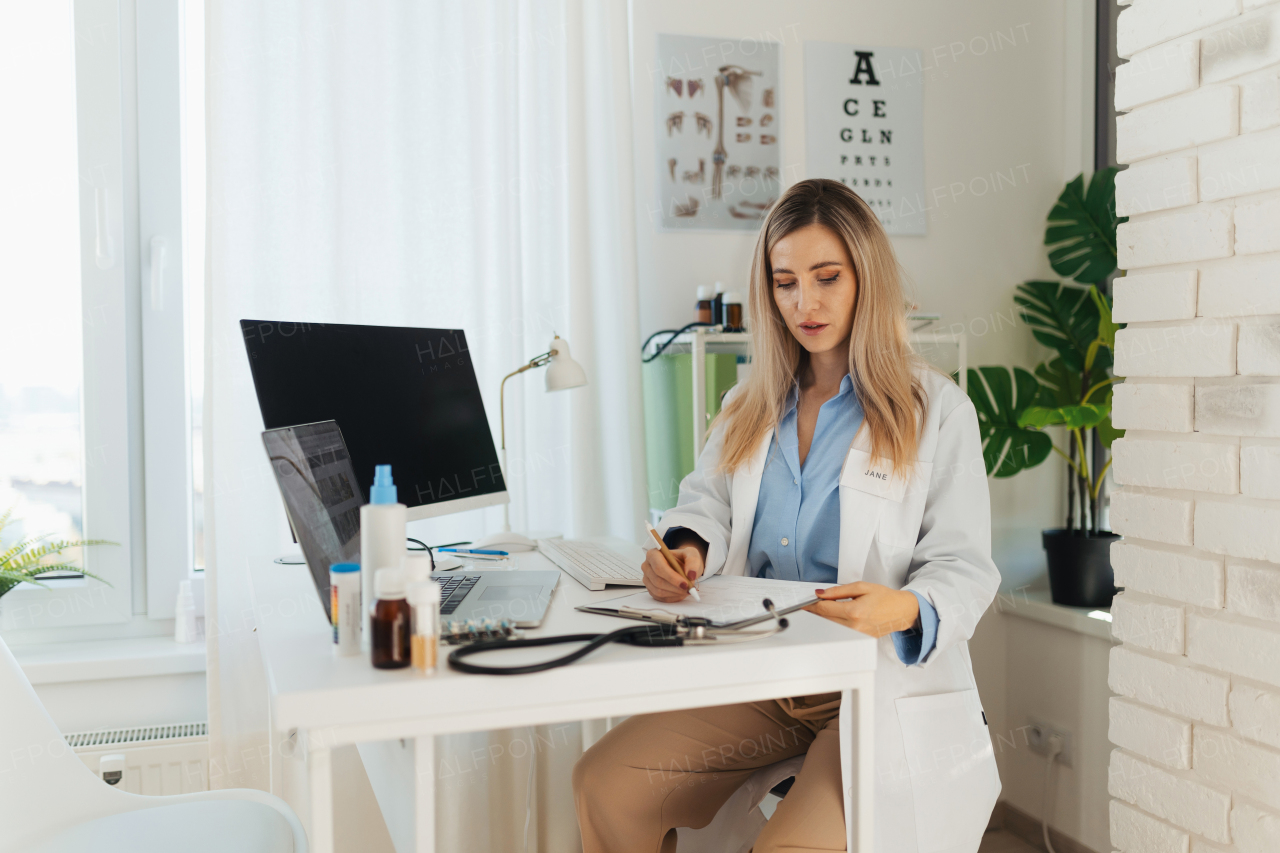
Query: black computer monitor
x=402 y=397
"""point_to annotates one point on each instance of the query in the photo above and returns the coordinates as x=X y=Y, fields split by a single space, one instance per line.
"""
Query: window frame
x=135 y=408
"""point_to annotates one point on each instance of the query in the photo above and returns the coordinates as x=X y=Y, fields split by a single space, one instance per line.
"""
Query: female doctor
x=841 y=460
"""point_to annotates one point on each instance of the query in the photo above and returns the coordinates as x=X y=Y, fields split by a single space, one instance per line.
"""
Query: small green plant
x=1072 y=389
x=26 y=559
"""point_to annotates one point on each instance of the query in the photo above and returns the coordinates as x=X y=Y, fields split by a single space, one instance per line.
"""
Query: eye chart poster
x=717 y=129
x=864 y=126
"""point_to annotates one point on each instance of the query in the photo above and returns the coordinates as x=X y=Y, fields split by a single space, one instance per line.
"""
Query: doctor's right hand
x=665 y=583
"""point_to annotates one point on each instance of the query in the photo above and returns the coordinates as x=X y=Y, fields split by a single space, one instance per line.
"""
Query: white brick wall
x=1170 y=69
x=1239 y=764
x=1259 y=101
x=1235 y=646
x=1150 y=22
x=1134 y=831
x=1240 y=166
x=1181 y=800
x=1239 y=528
x=1159 y=570
x=1153 y=405
x=1197 y=233
x=1159 y=464
x=1257 y=226
x=1199 y=118
x=1238 y=408
x=1171 y=684
x=1240 y=286
x=1151 y=624
x=1151 y=734
x=1255 y=713
x=1158 y=517
x=1157 y=185
x=1260 y=469
x=1255 y=831
x=1253 y=589
x=1258 y=343
x=1197 y=720
x=1197 y=348
x=1154 y=296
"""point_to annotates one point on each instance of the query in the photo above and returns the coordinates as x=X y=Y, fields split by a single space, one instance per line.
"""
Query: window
x=101 y=355
x=41 y=458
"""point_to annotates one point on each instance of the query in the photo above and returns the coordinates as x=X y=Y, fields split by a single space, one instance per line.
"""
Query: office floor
x=1002 y=841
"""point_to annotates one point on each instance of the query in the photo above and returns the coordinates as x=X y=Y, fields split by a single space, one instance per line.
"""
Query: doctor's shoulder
x=944 y=397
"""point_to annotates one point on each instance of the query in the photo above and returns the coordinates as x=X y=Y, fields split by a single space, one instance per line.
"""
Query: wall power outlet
x=1038 y=733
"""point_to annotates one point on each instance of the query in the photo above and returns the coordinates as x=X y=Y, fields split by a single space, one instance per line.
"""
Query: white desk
x=332 y=701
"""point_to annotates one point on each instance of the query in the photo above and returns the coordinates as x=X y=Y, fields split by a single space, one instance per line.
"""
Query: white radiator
x=168 y=759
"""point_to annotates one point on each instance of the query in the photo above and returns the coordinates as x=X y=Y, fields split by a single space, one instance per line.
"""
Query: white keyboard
x=594 y=566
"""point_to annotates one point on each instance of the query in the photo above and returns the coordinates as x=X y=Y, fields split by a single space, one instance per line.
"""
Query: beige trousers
x=656 y=772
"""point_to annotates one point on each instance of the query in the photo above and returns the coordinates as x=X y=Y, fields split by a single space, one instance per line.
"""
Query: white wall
x=1197 y=725
x=108 y=703
x=1021 y=110
x=1027 y=669
x=1057 y=676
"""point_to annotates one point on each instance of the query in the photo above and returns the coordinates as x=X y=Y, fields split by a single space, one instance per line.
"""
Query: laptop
x=322 y=499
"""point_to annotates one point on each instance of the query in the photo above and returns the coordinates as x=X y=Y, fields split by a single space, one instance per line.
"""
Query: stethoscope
x=661 y=629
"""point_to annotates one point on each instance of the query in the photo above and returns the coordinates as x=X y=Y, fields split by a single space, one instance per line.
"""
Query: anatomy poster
x=864 y=126
x=716 y=115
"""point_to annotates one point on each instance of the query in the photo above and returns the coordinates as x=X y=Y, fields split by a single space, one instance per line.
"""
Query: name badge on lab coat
x=873 y=476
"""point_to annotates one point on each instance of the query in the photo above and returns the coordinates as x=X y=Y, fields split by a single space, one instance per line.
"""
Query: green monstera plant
x=1072 y=389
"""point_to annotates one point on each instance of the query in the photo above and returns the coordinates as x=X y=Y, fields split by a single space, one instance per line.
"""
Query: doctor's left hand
x=868 y=607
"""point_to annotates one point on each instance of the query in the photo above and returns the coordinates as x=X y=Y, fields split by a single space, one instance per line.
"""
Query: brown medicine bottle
x=704 y=305
x=734 y=318
x=389 y=621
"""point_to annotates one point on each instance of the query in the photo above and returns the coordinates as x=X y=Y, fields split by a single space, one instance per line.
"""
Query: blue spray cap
x=384 y=490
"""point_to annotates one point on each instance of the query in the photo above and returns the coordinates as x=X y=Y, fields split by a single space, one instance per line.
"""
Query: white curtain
x=457 y=165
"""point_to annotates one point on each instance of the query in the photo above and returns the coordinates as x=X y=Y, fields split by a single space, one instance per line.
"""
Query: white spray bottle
x=382 y=532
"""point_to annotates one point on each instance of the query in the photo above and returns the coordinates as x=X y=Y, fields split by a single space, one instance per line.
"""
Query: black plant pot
x=1080 y=567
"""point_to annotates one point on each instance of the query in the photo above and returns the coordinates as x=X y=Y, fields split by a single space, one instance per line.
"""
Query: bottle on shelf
x=735 y=318
x=717 y=304
x=704 y=304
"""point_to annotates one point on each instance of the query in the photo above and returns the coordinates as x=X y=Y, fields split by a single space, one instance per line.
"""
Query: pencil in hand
x=672 y=561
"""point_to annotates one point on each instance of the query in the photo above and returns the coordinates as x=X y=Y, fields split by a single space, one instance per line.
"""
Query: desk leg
x=857 y=765
x=424 y=793
x=320 y=770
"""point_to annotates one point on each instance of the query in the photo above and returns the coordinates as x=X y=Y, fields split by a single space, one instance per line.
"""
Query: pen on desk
x=671 y=559
x=473 y=551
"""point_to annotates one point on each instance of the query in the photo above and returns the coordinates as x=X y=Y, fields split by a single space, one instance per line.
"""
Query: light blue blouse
x=796 y=535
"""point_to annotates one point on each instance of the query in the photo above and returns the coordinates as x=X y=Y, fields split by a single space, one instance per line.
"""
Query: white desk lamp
x=563 y=373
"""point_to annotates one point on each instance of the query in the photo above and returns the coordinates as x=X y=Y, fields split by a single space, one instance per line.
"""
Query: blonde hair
x=881 y=363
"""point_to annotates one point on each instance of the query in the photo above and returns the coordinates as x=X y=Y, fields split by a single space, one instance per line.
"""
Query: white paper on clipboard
x=724 y=598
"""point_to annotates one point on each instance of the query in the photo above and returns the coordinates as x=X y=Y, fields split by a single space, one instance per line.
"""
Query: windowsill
x=53 y=663
x=1037 y=605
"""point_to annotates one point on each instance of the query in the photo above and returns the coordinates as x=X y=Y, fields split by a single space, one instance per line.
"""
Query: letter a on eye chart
x=864 y=127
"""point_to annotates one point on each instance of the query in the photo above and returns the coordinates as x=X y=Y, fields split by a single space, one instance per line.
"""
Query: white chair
x=50 y=802
x=736 y=826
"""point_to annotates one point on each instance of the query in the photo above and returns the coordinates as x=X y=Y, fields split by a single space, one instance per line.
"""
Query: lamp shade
x=563 y=372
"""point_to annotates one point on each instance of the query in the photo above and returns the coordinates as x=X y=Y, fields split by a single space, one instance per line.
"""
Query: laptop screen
x=313 y=470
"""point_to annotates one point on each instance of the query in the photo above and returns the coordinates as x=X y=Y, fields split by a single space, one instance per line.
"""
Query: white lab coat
x=936 y=779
